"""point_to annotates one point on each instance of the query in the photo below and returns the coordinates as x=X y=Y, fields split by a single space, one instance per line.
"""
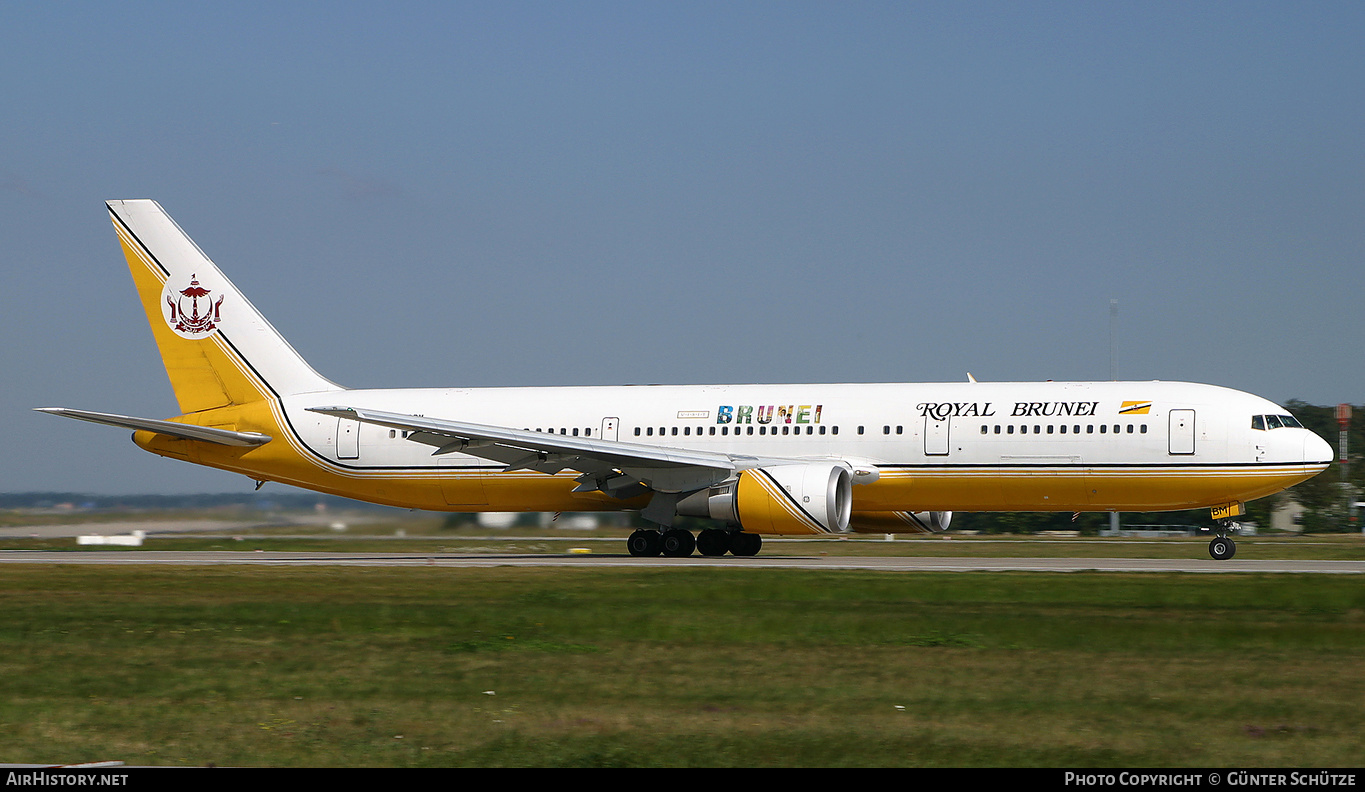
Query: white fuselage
x=965 y=446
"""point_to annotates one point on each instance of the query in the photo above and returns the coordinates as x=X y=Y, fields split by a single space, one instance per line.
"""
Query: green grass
x=678 y=667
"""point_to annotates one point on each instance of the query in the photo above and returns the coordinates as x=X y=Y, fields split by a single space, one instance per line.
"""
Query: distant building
x=1285 y=516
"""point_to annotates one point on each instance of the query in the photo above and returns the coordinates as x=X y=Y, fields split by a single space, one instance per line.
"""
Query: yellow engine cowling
x=811 y=498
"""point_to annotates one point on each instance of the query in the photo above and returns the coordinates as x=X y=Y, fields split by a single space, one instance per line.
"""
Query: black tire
x=678 y=543
x=713 y=542
x=1222 y=548
x=644 y=543
x=745 y=544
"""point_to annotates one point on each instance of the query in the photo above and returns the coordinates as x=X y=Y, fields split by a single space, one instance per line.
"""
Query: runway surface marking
x=592 y=560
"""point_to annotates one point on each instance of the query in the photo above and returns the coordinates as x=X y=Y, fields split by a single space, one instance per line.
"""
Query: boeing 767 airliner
x=757 y=459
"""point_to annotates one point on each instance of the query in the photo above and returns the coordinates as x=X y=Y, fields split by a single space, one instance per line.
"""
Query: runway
x=597 y=561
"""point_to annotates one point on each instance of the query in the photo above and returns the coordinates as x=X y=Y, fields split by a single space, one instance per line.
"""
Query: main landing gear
x=678 y=543
x=1222 y=548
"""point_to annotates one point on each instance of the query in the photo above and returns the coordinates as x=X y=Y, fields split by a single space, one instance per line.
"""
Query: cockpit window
x=1275 y=422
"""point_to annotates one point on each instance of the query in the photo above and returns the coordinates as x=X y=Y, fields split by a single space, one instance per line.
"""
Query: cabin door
x=936 y=436
x=348 y=439
x=1182 y=431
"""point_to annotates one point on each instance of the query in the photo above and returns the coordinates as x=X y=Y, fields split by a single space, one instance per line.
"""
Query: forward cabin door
x=1182 y=432
x=610 y=428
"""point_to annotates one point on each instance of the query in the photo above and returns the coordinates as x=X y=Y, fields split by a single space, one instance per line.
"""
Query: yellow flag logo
x=1135 y=408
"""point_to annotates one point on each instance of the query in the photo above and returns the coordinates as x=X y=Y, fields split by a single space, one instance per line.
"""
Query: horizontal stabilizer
x=187 y=431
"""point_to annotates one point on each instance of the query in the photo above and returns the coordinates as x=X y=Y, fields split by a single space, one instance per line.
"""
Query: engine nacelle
x=901 y=522
x=809 y=498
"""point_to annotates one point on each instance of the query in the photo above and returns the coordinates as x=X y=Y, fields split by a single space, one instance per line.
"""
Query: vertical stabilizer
x=218 y=349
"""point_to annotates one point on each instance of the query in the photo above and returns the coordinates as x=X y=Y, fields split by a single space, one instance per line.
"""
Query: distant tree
x=1324 y=497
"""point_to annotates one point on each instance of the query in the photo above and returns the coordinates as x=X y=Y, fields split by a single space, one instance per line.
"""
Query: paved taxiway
x=594 y=560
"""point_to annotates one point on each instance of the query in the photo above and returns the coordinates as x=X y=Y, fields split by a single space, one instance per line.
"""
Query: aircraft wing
x=205 y=434
x=619 y=469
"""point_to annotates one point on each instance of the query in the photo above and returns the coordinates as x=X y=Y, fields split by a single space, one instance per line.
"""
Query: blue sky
x=575 y=193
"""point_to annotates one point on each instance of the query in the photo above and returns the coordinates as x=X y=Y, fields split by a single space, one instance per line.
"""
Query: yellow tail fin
x=218 y=349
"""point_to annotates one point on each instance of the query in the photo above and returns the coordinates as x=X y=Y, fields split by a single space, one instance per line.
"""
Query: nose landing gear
x=1222 y=547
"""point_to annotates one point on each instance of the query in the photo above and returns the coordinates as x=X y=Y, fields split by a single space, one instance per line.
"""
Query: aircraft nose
x=1316 y=450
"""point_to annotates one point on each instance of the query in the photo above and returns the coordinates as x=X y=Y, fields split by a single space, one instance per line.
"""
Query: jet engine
x=808 y=498
x=901 y=522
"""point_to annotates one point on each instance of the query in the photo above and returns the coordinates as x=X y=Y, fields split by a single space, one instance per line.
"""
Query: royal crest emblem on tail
x=184 y=306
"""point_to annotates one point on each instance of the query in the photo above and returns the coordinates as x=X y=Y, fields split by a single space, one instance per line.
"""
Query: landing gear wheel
x=713 y=542
x=644 y=543
x=745 y=544
x=678 y=543
x=1222 y=548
